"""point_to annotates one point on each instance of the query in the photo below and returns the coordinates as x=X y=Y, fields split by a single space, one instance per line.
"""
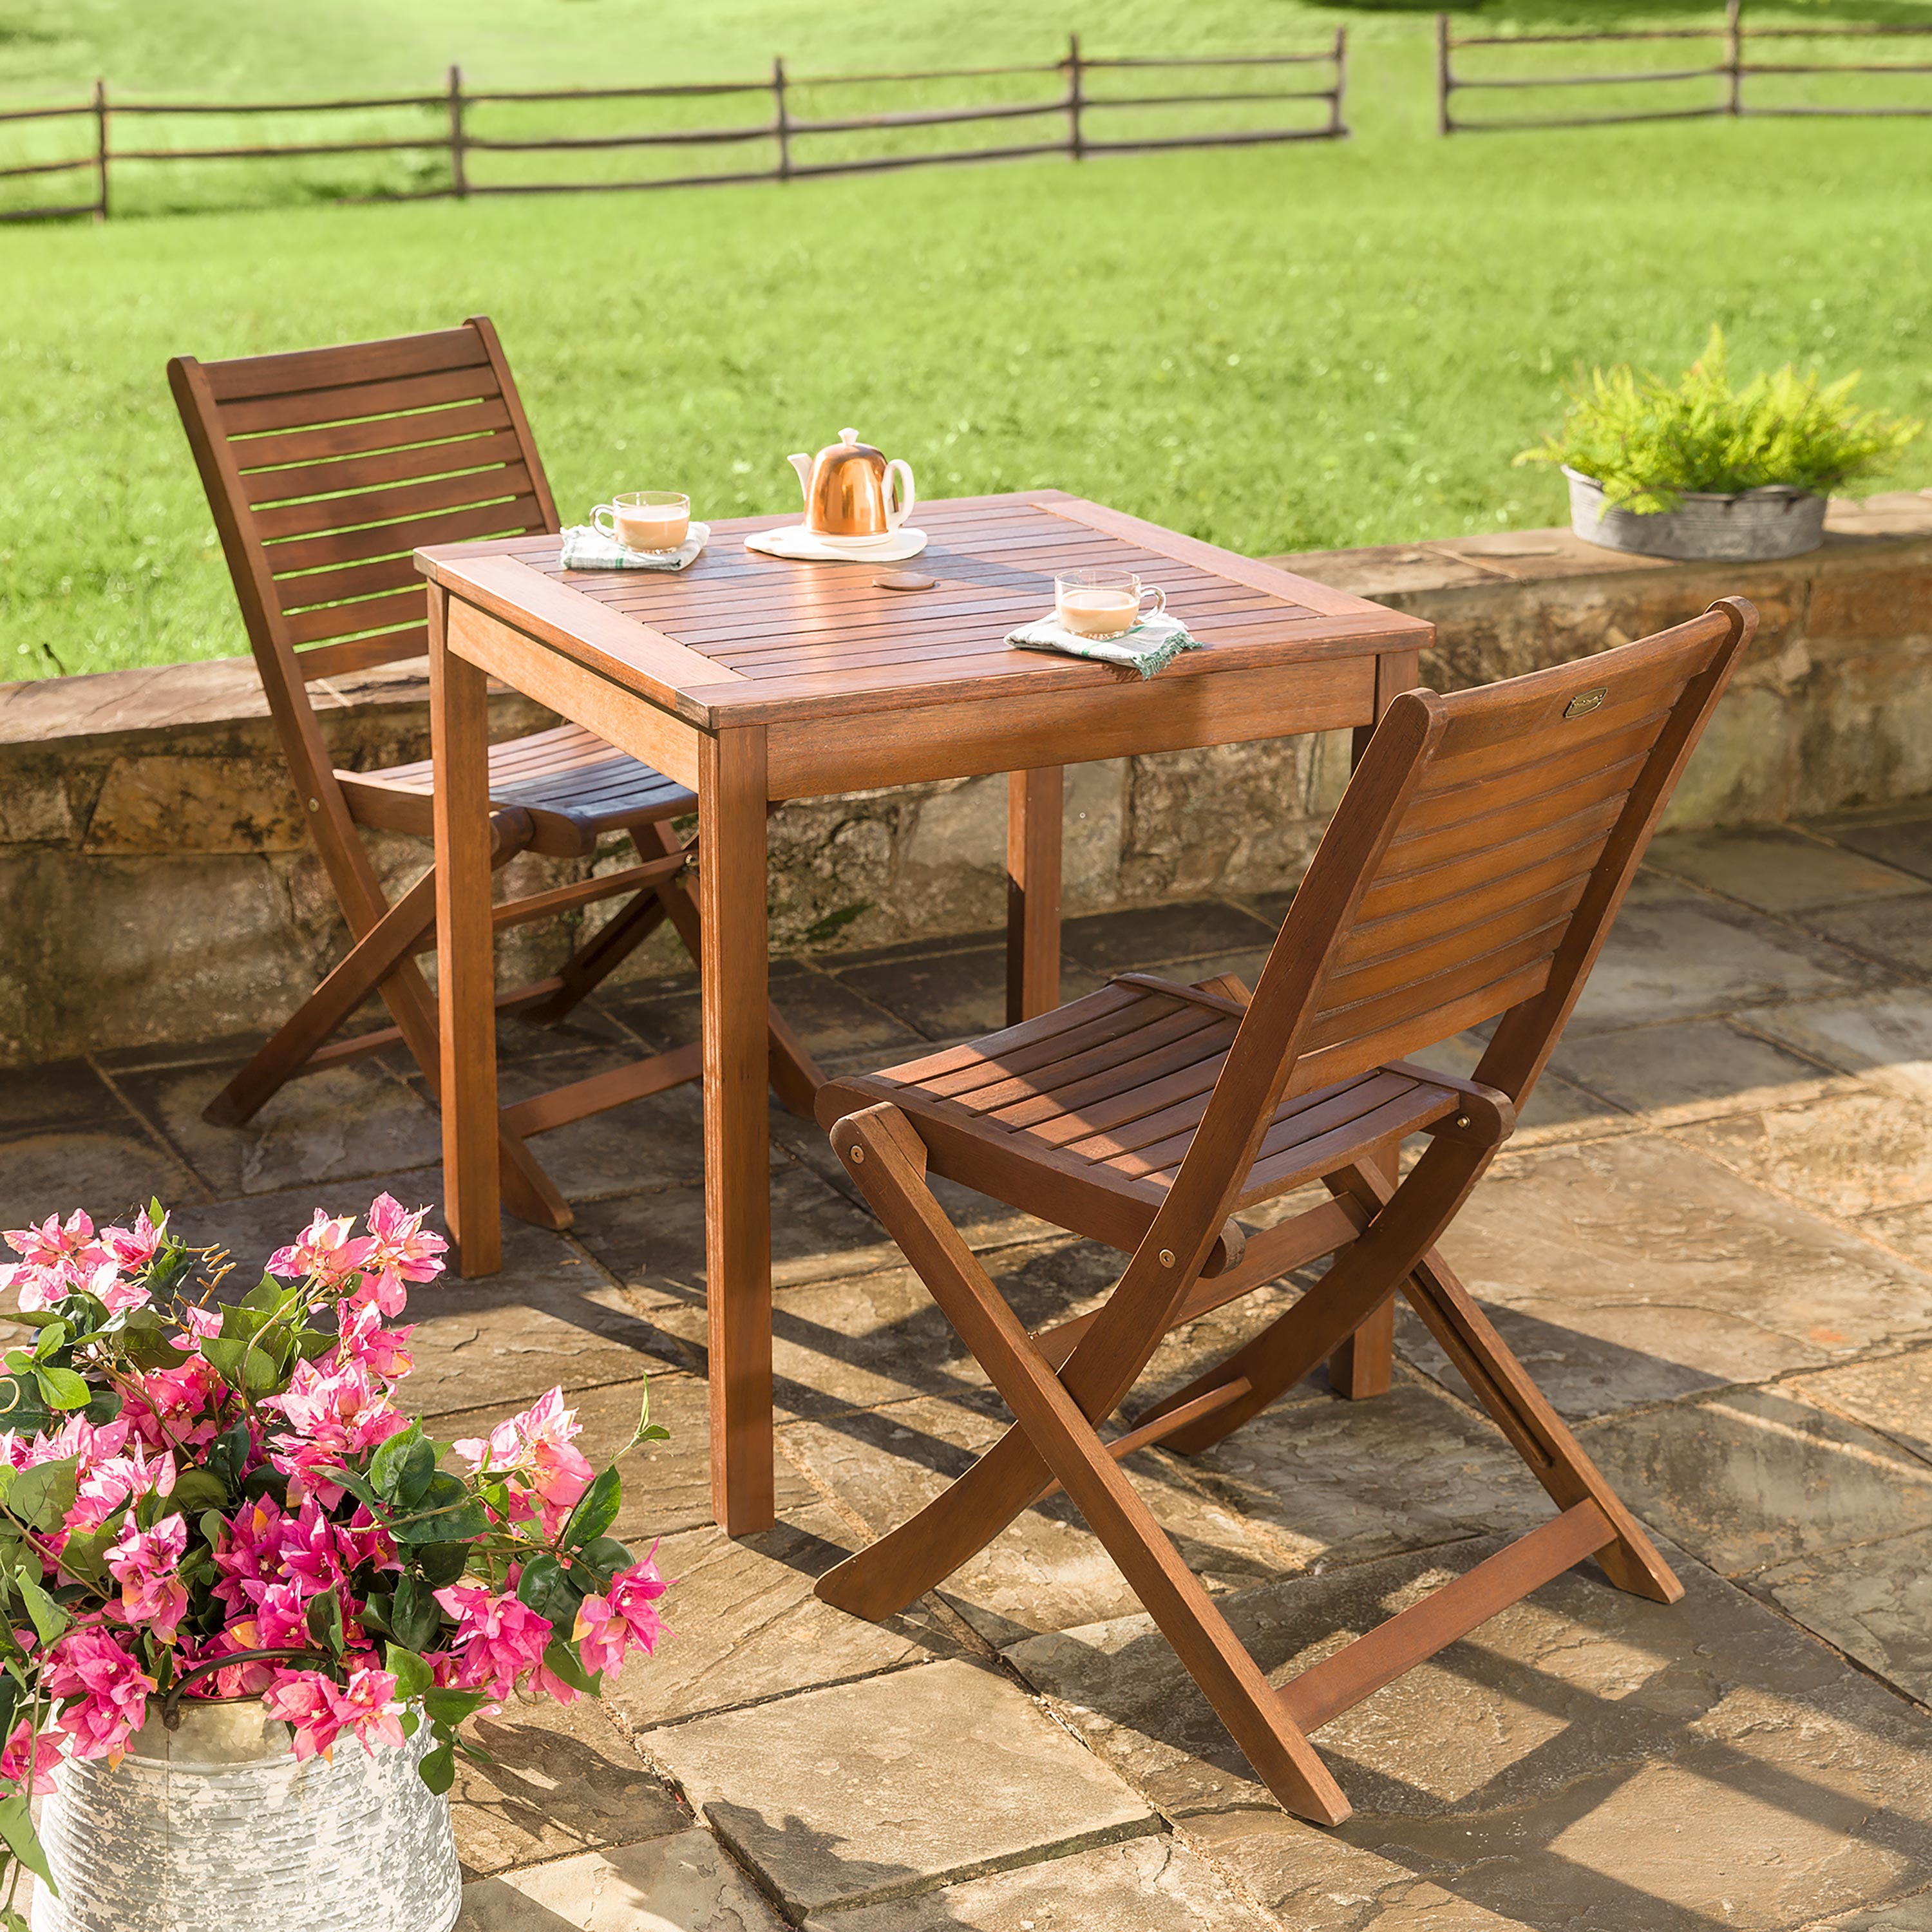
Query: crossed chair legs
x=1386 y=1243
x=382 y=960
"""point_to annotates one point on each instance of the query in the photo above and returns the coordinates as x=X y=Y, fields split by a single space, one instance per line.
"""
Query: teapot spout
x=802 y=464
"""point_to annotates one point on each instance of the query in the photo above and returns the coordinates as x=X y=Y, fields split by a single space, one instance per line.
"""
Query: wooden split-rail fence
x=1737 y=41
x=1084 y=110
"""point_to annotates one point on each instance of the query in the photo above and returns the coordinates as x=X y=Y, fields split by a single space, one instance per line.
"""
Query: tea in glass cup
x=646 y=520
x=1102 y=603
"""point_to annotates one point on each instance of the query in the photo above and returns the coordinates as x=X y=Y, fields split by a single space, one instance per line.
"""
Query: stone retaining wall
x=156 y=884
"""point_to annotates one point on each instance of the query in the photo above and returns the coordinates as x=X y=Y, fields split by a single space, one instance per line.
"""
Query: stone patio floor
x=1711 y=1241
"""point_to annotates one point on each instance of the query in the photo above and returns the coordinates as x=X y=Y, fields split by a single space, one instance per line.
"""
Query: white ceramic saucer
x=801 y=544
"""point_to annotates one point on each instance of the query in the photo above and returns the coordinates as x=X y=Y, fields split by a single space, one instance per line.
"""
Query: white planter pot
x=217 y=1828
x=1750 y=527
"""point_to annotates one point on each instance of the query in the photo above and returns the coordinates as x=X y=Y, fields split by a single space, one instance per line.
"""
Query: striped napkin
x=586 y=547
x=1151 y=646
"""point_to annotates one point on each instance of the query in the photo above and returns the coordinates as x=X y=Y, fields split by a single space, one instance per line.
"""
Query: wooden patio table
x=751 y=680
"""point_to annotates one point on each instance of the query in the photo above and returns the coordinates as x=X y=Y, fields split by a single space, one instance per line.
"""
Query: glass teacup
x=646 y=520
x=1102 y=603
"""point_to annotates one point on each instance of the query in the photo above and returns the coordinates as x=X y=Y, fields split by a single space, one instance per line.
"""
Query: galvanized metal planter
x=1752 y=526
x=216 y=1827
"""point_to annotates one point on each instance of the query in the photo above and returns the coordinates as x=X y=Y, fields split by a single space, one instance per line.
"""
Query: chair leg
x=1064 y=1439
x=613 y=943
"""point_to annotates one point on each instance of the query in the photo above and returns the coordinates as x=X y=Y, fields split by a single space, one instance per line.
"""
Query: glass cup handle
x=597 y=517
x=1160 y=597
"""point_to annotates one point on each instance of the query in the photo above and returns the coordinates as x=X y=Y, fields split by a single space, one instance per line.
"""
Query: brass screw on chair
x=1167 y=1257
x=858 y=1155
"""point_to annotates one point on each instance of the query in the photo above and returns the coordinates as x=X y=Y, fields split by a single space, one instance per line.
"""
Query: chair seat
x=1084 y=1116
x=573 y=785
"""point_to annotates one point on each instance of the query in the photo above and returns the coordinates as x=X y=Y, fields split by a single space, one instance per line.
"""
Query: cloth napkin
x=586 y=547
x=1151 y=646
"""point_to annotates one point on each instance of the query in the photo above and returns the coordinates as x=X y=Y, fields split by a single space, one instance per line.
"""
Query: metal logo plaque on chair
x=218 y=1827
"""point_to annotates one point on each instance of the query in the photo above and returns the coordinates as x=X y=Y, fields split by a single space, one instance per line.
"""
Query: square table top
x=742 y=638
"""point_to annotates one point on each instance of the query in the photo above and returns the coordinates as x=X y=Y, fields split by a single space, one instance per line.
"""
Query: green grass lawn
x=1274 y=349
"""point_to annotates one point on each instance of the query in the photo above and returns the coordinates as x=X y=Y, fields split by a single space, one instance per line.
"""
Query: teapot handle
x=897 y=512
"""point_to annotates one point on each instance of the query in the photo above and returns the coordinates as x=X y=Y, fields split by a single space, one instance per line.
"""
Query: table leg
x=1365 y=1363
x=1033 y=802
x=466 y=966
x=733 y=981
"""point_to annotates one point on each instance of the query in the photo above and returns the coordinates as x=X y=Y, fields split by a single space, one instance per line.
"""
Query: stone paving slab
x=1892 y=1394
x=1631 y=1271
x=1886 y=1036
x=1778 y=869
x=1147 y=1885
x=1752 y=1476
x=1873 y=1600
x=105 y=1170
x=900 y=1784
x=1692 y=1070
x=746 y=1626
x=560 y=1778
x=681 y=1883
x=1584 y=1758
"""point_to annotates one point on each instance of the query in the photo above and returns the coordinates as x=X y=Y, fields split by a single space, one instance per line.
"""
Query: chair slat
x=356 y=362
x=1436 y=946
x=516 y=517
x=1482 y=819
x=322 y=441
x=361 y=653
x=381 y=505
x=313 y=407
x=382 y=467
x=317 y=587
x=348 y=620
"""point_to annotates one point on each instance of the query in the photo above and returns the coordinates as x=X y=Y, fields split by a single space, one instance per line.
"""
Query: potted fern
x=1700 y=468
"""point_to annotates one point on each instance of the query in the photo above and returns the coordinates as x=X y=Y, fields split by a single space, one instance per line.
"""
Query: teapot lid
x=849 y=445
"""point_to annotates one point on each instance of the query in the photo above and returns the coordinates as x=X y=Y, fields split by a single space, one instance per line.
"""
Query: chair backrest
x=1471 y=870
x=326 y=468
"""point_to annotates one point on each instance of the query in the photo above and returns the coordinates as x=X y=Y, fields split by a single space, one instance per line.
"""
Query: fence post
x=100 y=151
x=1076 y=144
x=459 y=172
x=783 y=120
x=1444 y=125
x=1336 y=126
x=1734 y=57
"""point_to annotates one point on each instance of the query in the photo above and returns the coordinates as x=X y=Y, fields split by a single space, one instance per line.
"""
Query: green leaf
x=596 y=1509
x=50 y=1619
x=438 y=1769
x=561 y=1661
x=17 y=1827
x=400 y=1470
x=550 y=1592
x=228 y=1453
x=413 y=1675
x=10 y=1702
x=415 y=1615
x=41 y=1496
x=325 y=1620
x=605 y=1558
x=11 y=1921
x=54 y=1335
x=261 y=1374
x=647 y=1430
x=85 y=1551
x=449 y=1708
x=196 y=1490
x=443 y=1563
x=224 y=1354
x=444 y=1513
x=63 y=1388
x=104 y=1406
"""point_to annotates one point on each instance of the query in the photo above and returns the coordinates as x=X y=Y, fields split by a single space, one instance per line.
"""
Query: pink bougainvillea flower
x=57 y=1258
x=135 y=1247
x=324 y=1249
x=337 y=1414
x=369 y=1708
x=279 y=1619
x=104 y=1488
x=143 y=1562
x=623 y=1617
x=200 y=1324
x=250 y=1550
x=88 y=1664
x=300 y=1698
x=535 y=1449
x=175 y=1407
x=400 y=1249
x=381 y=1351
x=497 y=1639
x=26 y=1752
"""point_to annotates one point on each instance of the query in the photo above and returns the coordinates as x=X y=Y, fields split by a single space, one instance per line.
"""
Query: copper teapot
x=848 y=489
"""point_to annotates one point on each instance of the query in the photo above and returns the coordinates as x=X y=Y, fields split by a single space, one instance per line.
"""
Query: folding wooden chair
x=325 y=469
x=1472 y=872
